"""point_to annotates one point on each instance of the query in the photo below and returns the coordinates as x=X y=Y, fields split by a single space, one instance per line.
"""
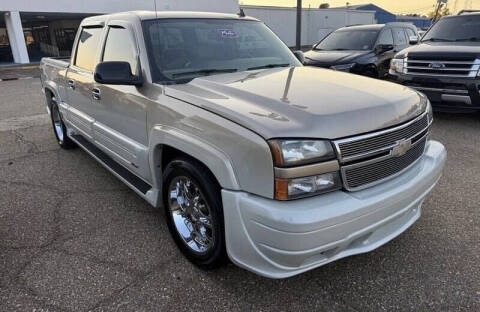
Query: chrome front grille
x=361 y=176
x=464 y=68
x=369 y=159
x=377 y=143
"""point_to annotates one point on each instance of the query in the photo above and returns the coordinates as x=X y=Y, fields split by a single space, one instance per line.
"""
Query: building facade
x=419 y=21
x=383 y=16
x=30 y=30
x=316 y=23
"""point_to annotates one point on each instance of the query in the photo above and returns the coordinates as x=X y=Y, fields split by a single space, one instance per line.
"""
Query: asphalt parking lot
x=74 y=238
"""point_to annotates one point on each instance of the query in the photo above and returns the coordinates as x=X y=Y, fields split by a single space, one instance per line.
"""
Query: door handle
x=71 y=83
x=96 y=94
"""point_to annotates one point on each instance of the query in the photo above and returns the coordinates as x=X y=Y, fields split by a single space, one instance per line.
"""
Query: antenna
x=241 y=13
x=155 y=6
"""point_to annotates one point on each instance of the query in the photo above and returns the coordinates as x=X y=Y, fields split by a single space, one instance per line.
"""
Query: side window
x=399 y=35
x=386 y=37
x=120 y=47
x=87 y=48
x=410 y=33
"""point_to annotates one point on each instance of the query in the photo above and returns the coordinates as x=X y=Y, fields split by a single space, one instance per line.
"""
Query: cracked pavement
x=74 y=238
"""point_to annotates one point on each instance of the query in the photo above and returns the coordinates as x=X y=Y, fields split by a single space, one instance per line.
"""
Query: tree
x=444 y=11
x=324 y=6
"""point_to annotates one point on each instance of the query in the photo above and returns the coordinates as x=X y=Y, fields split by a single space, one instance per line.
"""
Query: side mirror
x=383 y=48
x=116 y=73
x=413 y=39
x=299 y=55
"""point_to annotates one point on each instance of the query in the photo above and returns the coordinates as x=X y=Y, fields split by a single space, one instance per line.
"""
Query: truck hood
x=444 y=50
x=329 y=58
x=304 y=102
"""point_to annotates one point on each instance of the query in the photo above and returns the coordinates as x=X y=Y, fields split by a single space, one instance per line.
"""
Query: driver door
x=120 y=123
x=383 y=63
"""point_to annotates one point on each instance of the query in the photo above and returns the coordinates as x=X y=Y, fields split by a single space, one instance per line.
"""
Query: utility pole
x=299 y=25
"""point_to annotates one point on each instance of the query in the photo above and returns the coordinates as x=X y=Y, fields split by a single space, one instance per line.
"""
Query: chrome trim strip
x=364 y=186
x=420 y=88
x=471 y=72
x=337 y=143
x=307 y=171
x=444 y=69
x=440 y=75
x=475 y=62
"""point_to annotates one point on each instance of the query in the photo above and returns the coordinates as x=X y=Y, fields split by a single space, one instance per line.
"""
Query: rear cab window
x=87 y=48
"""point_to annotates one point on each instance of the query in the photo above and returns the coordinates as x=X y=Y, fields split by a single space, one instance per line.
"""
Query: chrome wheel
x=57 y=121
x=191 y=214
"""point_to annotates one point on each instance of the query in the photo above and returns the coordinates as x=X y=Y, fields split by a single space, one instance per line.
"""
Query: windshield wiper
x=469 y=39
x=438 y=40
x=205 y=72
x=269 y=66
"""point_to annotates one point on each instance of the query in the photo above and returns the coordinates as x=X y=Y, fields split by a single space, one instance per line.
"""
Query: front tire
x=59 y=128
x=194 y=212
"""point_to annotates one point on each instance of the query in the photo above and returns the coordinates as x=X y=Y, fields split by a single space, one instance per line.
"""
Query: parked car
x=445 y=65
x=421 y=32
x=281 y=167
x=365 y=50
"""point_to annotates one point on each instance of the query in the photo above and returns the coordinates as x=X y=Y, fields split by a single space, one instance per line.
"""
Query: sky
x=394 y=6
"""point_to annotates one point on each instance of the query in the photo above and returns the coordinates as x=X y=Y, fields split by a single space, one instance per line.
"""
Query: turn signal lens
x=303 y=187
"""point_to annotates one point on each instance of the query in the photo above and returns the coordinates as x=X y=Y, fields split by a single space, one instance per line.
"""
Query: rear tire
x=194 y=212
x=59 y=128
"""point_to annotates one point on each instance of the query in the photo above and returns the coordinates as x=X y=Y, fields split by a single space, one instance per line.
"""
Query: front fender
x=218 y=162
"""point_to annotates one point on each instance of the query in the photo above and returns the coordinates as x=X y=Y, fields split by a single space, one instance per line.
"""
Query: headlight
x=397 y=65
x=343 y=67
x=424 y=99
x=287 y=153
x=304 y=168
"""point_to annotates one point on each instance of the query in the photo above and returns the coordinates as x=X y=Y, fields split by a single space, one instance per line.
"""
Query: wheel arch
x=50 y=91
x=167 y=143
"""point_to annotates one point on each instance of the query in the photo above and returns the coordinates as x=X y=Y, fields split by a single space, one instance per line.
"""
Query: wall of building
x=417 y=21
x=38 y=28
x=316 y=23
x=381 y=16
x=110 y=6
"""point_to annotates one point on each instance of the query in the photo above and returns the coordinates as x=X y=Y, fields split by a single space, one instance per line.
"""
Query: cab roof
x=364 y=27
x=150 y=15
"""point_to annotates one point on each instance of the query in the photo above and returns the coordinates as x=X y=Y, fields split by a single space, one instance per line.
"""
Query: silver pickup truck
x=279 y=167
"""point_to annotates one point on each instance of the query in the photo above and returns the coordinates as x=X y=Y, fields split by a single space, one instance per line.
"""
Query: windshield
x=455 y=29
x=182 y=49
x=348 y=40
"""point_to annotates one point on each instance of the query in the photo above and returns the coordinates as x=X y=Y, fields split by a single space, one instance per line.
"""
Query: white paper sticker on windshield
x=228 y=33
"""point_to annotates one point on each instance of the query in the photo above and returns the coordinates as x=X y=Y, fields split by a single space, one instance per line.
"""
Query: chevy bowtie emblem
x=436 y=65
x=401 y=148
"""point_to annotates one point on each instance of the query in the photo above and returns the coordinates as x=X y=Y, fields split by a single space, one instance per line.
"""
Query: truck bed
x=61 y=62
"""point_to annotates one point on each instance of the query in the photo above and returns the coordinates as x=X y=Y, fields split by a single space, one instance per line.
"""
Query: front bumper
x=281 y=239
x=448 y=94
